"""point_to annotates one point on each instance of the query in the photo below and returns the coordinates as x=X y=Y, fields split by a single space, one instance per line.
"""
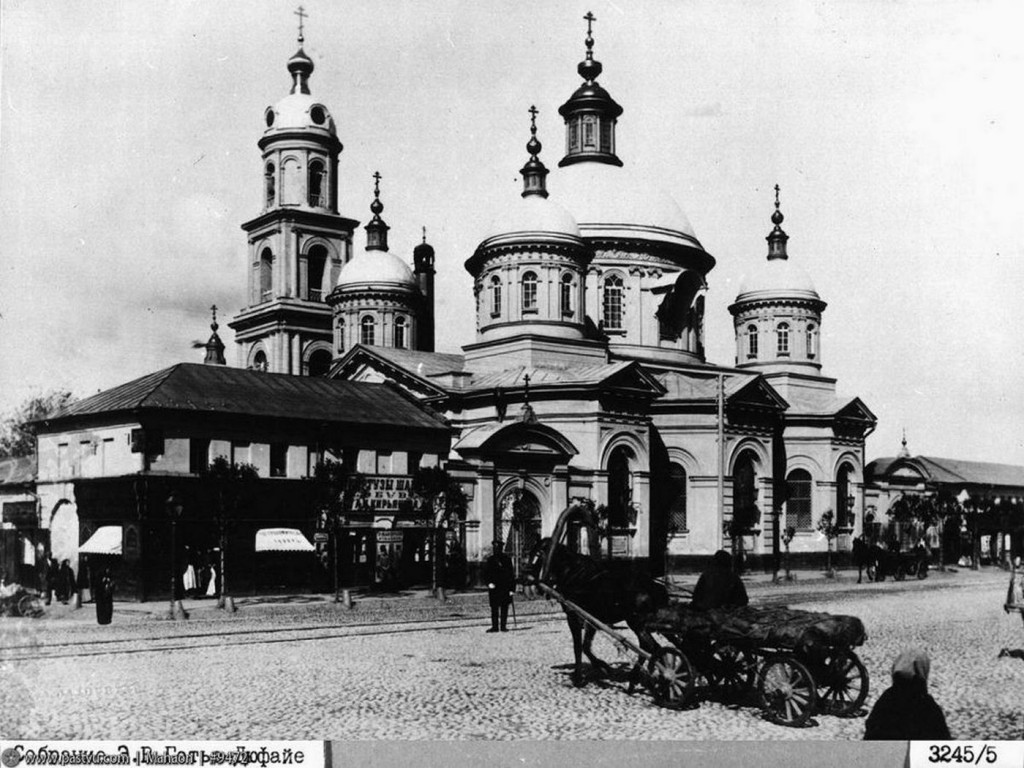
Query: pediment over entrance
x=517 y=439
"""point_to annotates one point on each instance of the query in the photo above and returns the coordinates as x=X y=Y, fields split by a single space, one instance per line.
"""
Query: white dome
x=605 y=197
x=534 y=214
x=379 y=268
x=777 y=278
x=299 y=110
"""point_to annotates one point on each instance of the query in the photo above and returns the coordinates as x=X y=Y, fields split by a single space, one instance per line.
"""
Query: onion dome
x=590 y=114
x=778 y=277
x=534 y=172
x=374 y=266
x=299 y=109
x=214 y=346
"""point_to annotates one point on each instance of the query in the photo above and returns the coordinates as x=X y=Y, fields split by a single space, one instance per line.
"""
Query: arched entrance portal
x=520 y=526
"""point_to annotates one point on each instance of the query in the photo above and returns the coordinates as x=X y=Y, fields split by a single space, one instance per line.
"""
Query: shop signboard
x=385 y=493
x=20 y=514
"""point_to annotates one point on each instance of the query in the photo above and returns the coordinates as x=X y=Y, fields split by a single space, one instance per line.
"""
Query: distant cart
x=16 y=600
x=797 y=662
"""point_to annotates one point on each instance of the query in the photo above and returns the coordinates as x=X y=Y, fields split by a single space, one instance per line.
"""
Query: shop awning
x=106 y=541
x=282 y=540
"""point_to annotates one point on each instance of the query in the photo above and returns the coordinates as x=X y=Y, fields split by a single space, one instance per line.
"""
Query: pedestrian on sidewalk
x=906 y=711
x=66 y=585
x=105 y=598
x=500 y=576
x=1015 y=602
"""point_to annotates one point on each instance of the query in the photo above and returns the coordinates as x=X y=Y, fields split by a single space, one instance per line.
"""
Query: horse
x=605 y=595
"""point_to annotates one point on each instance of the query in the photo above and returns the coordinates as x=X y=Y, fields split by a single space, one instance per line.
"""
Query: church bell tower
x=298 y=243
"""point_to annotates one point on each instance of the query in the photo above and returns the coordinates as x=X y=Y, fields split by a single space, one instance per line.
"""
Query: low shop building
x=983 y=504
x=130 y=461
x=22 y=540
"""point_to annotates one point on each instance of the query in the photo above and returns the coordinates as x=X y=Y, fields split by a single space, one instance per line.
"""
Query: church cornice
x=746 y=305
x=302 y=216
x=522 y=246
x=312 y=136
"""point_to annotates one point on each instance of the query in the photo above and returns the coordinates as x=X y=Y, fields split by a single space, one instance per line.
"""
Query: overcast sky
x=128 y=160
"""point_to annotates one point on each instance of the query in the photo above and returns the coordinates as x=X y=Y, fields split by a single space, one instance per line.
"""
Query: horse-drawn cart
x=797 y=662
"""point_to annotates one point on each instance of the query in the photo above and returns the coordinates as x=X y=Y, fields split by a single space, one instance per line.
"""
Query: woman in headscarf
x=906 y=711
x=718 y=586
x=105 y=598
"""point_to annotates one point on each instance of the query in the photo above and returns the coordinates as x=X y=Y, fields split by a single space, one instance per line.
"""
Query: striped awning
x=106 y=541
x=282 y=540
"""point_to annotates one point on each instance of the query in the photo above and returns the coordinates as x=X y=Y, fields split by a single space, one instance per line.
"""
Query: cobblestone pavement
x=424 y=670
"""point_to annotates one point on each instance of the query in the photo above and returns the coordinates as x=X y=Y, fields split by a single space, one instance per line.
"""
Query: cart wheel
x=30 y=607
x=733 y=670
x=787 y=692
x=843 y=685
x=922 y=570
x=901 y=573
x=671 y=675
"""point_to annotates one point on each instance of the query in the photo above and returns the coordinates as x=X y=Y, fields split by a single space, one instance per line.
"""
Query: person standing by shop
x=52 y=574
x=1015 y=602
x=500 y=576
x=66 y=585
x=105 y=598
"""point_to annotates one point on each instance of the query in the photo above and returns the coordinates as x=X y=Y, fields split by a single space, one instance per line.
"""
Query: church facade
x=587 y=379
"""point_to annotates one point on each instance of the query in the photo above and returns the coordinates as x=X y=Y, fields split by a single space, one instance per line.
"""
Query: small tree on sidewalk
x=435 y=492
x=337 y=493
x=787 y=538
x=828 y=528
x=231 y=487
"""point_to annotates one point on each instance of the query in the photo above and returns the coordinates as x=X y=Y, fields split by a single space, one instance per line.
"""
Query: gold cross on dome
x=301 y=13
x=533 y=118
x=376 y=183
x=591 y=18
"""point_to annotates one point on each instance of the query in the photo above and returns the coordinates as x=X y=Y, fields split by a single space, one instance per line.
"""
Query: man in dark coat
x=718 y=586
x=906 y=711
x=66 y=585
x=105 y=598
x=501 y=579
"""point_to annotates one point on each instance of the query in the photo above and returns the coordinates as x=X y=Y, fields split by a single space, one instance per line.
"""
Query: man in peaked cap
x=500 y=577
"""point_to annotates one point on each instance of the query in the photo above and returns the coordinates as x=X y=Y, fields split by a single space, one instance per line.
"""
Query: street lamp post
x=174 y=510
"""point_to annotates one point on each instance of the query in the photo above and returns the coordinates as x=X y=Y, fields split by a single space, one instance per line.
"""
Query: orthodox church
x=587 y=378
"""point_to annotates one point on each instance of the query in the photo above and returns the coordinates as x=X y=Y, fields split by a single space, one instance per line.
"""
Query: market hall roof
x=196 y=388
x=949 y=471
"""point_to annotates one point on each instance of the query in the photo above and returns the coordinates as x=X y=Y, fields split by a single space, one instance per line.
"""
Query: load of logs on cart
x=795 y=663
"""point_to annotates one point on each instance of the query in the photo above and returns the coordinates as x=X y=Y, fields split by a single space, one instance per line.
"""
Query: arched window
x=677 y=510
x=529 y=283
x=612 y=313
x=341 y=335
x=844 y=497
x=317 y=191
x=367 y=330
x=291 y=182
x=565 y=295
x=319 y=363
x=744 y=491
x=812 y=341
x=619 y=487
x=495 y=296
x=269 y=185
x=588 y=130
x=751 y=341
x=401 y=332
x=266 y=275
x=259 y=361
x=316 y=263
x=782 y=336
x=798 y=503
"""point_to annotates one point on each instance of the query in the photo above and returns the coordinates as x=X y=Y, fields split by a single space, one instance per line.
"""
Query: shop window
x=198 y=455
x=798 y=503
x=278 y=460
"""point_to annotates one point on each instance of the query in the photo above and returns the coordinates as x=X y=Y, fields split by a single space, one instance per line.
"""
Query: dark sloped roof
x=17 y=470
x=577 y=374
x=219 y=389
x=953 y=470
